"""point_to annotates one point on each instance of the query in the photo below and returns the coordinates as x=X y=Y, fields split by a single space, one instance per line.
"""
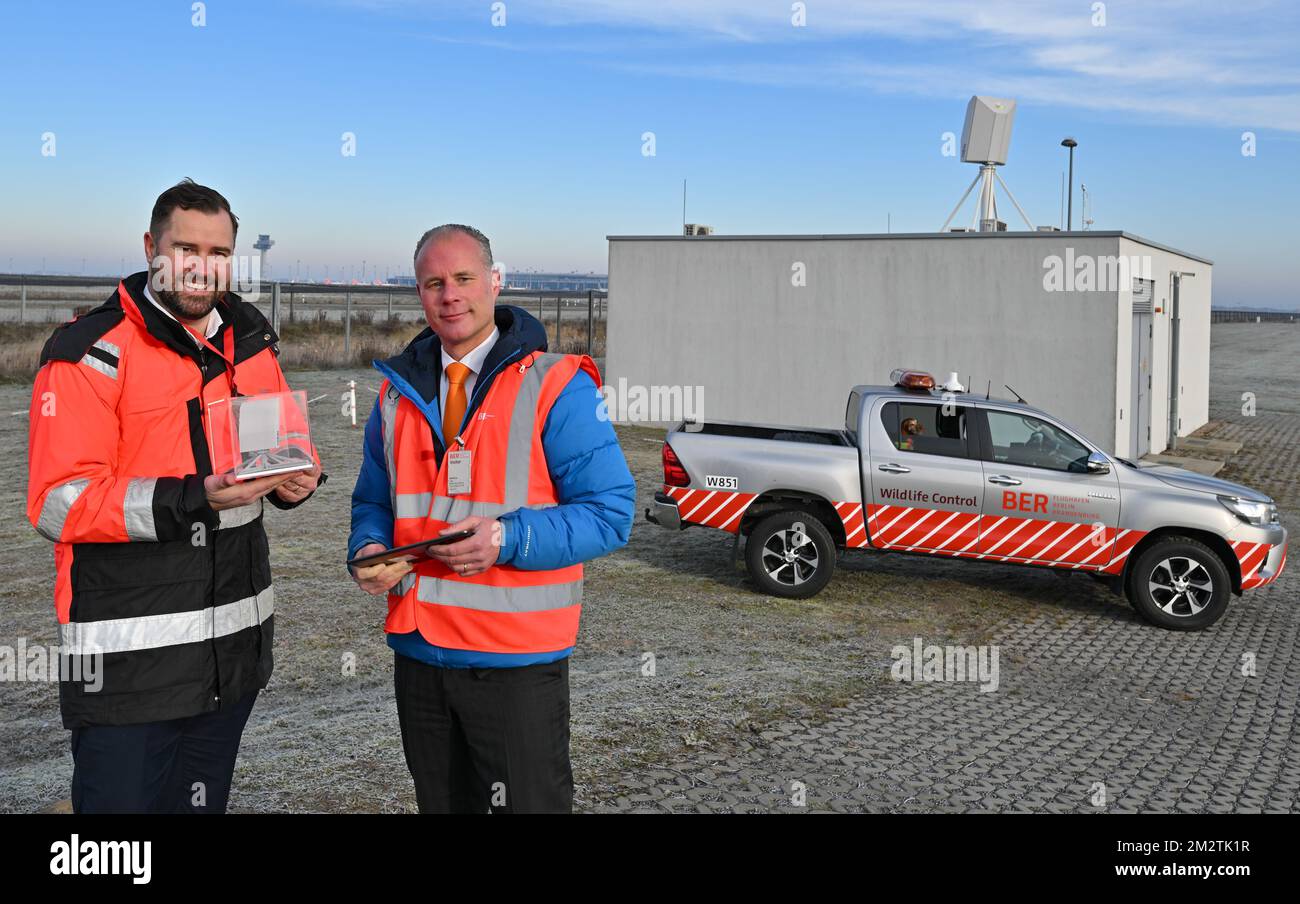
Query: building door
x=1140 y=386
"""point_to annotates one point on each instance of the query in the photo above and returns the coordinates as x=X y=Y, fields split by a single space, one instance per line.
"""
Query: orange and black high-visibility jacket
x=174 y=597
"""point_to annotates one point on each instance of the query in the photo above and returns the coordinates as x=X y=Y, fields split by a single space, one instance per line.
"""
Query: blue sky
x=532 y=130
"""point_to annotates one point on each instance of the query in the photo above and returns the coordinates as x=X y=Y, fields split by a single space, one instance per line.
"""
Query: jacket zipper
x=211 y=535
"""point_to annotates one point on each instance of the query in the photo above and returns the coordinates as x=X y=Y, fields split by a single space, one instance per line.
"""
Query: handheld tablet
x=409 y=553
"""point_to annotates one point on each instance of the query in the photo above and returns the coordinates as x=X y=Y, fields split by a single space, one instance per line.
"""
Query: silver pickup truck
x=947 y=473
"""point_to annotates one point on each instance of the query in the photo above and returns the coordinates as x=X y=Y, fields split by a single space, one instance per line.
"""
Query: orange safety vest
x=504 y=609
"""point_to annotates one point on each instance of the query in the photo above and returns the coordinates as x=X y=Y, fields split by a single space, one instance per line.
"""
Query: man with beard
x=163 y=582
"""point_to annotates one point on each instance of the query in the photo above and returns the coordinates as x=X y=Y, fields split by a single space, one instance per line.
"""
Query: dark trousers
x=486 y=739
x=176 y=766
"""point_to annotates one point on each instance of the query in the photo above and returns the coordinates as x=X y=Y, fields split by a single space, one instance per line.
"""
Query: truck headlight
x=1257 y=513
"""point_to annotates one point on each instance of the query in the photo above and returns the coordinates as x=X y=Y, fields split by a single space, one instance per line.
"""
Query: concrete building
x=1089 y=326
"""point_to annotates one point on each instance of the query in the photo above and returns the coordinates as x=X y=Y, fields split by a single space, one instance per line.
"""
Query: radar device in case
x=260 y=435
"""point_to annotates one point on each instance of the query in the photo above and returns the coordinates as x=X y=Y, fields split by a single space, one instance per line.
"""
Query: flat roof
x=1078 y=233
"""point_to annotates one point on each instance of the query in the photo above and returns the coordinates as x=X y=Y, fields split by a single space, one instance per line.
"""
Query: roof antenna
x=989 y=391
x=1016 y=394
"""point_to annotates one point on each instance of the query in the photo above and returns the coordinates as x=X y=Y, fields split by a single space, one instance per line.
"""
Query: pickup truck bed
x=821 y=436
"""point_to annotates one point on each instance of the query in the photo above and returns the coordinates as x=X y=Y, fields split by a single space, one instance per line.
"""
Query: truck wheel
x=790 y=554
x=1179 y=583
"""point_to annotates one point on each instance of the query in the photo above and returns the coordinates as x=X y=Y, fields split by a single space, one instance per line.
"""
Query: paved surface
x=754 y=693
x=1088 y=697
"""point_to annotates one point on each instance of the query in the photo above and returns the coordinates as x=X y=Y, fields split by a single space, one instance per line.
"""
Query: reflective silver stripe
x=239 y=516
x=404 y=584
x=103 y=367
x=137 y=509
x=498 y=599
x=109 y=347
x=523 y=420
x=54 y=511
x=450 y=508
x=149 y=632
x=388 y=418
x=412 y=505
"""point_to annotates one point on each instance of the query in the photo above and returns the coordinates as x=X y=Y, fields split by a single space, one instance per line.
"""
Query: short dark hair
x=438 y=232
x=189 y=195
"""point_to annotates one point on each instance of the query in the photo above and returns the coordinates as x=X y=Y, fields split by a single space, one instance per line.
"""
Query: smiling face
x=458 y=291
x=189 y=262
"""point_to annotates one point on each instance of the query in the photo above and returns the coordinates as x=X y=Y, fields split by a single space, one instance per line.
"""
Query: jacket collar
x=171 y=333
x=419 y=365
x=416 y=372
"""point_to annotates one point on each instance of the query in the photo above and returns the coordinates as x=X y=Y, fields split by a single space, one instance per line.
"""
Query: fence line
x=296 y=301
x=1220 y=315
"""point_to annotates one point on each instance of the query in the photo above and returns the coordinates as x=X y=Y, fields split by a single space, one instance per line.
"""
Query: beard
x=187 y=305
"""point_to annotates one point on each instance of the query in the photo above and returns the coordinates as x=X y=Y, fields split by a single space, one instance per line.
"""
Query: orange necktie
x=453 y=407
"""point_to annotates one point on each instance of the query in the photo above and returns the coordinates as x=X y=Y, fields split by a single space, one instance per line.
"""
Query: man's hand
x=224 y=491
x=377 y=579
x=475 y=554
x=299 y=486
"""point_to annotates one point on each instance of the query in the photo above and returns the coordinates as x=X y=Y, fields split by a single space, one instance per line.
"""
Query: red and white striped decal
x=992 y=538
x=855 y=528
x=908 y=528
x=1252 y=557
x=712 y=508
x=1032 y=540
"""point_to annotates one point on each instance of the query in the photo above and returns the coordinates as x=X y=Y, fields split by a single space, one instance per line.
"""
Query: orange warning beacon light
x=911 y=379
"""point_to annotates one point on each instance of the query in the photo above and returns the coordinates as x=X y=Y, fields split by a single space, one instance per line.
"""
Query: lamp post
x=1069 y=217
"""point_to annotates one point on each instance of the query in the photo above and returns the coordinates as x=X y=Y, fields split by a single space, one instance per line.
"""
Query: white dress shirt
x=214 y=319
x=474 y=361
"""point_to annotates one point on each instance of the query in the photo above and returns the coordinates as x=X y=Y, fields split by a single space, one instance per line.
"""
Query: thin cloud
x=1186 y=61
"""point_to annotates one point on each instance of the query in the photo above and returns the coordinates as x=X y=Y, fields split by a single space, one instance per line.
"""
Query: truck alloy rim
x=1181 y=586
x=790 y=557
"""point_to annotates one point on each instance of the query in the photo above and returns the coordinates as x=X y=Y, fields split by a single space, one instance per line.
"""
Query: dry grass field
x=310 y=342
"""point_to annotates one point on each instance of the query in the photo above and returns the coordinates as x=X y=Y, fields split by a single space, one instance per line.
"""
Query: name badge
x=458 y=472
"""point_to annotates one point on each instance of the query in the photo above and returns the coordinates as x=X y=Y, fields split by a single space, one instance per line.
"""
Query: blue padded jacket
x=596 y=491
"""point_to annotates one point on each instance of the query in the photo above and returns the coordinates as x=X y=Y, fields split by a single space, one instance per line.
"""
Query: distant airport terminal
x=538 y=282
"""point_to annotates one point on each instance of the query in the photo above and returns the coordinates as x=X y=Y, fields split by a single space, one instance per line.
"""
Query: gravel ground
x=748 y=691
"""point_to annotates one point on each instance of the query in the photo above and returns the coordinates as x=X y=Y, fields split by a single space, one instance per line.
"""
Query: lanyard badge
x=459 y=462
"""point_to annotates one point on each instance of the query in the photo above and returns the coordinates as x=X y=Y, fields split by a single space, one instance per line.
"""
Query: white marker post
x=350 y=402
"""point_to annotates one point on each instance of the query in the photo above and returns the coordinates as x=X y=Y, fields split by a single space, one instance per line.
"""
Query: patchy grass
x=307 y=343
x=20 y=349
